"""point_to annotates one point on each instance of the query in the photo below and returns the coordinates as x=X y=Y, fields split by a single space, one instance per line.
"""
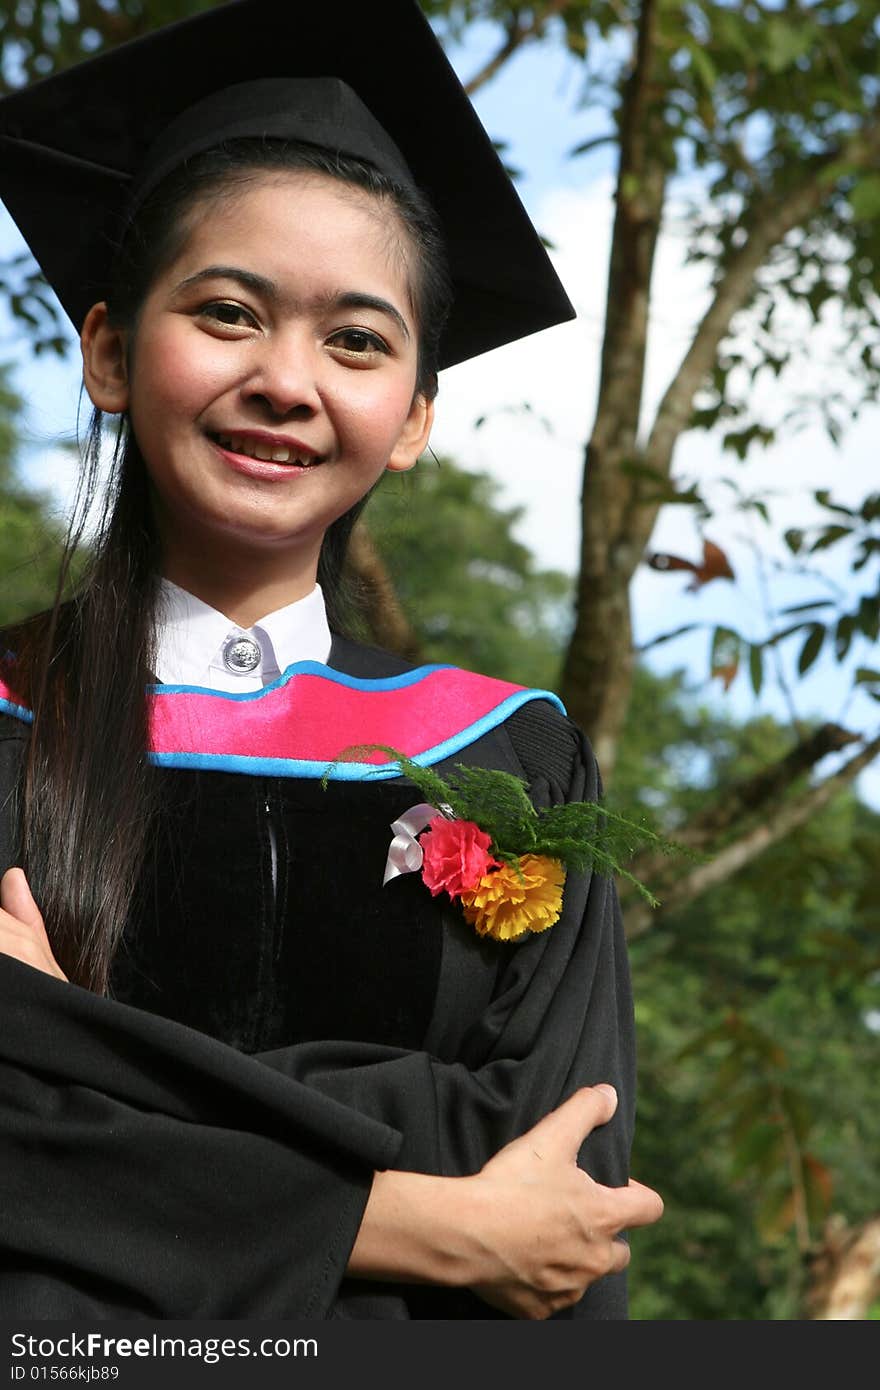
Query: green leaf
x=775 y=1215
x=830 y=536
x=725 y=642
x=868 y=617
x=864 y=199
x=846 y=626
x=594 y=144
x=807 y=607
x=667 y=636
x=818 y=1188
x=703 y=66
x=812 y=647
x=823 y=497
x=740 y=441
x=760 y=1151
x=786 y=41
x=866 y=676
x=756 y=667
x=798 y=1111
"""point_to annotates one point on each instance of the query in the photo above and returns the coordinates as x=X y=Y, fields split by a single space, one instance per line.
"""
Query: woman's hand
x=548 y=1230
x=528 y=1233
x=22 y=932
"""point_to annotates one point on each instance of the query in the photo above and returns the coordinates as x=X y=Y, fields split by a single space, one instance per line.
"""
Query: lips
x=266 y=449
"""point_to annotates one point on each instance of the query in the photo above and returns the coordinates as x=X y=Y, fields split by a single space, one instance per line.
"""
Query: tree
x=772 y=107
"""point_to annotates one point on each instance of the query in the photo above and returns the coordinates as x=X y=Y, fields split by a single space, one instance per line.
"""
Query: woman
x=284 y=1087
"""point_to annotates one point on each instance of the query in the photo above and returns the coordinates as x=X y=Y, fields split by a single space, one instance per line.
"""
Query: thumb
x=562 y=1132
x=17 y=900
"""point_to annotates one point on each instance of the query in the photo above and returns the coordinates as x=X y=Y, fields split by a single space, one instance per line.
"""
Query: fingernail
x=608 y=1090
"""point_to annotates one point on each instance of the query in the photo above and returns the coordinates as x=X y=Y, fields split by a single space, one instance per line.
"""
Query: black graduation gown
x=202 y=1143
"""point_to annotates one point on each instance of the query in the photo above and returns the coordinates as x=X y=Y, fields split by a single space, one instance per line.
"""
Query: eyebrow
x=259 y=284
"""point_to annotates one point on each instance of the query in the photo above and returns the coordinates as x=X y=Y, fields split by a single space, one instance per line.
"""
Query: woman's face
x=271 y=374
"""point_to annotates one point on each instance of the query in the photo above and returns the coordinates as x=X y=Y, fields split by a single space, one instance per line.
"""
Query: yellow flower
x=506 y=906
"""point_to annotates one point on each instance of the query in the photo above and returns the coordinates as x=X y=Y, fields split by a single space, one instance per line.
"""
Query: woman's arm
x=529 y=1233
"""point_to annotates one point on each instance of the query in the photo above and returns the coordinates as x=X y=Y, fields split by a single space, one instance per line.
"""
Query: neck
x=243 y=598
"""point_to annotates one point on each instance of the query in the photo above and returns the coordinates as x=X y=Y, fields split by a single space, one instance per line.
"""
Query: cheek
x=168 y=371
x=376 y=415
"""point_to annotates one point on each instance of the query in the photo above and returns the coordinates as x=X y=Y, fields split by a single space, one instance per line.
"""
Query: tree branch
x=735 y=809
x=753 y=794
x=767 y=230
x=518 y=33
x=777 y=821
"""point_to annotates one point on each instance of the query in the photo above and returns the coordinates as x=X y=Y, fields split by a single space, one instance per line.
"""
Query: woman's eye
x=358 y=342
x=232 y=315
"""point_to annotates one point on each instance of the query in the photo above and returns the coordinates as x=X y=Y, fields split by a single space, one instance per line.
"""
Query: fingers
x=561 y=1133
x=619 y=1256
x=16 y=898
x=22 y=930
x=635 y=1205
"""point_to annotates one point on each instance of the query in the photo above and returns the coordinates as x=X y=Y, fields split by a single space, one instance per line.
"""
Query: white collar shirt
x=192 y=638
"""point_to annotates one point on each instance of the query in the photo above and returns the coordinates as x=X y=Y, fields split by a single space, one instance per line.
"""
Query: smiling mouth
x=267 y=453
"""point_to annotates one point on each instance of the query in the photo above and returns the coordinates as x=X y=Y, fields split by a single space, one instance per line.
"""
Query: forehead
x=296 y=227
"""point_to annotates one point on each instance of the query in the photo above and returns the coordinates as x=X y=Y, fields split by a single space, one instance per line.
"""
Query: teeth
x=275 y=453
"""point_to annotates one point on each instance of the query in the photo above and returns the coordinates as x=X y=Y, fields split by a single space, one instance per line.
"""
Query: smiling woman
x=251 y=1066
x=303 y=356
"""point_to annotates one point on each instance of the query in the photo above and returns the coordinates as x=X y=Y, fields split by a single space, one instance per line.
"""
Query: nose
x=284 y=379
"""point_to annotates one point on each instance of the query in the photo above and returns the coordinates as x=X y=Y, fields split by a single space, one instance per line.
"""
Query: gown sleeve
x=152 y=1171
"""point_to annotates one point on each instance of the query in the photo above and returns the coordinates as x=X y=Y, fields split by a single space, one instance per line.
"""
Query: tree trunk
x=597 y=674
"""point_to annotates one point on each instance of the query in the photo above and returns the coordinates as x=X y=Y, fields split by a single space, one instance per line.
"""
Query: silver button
x=241 y=654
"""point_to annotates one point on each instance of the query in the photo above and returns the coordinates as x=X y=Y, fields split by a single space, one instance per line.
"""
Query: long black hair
x=88 y=792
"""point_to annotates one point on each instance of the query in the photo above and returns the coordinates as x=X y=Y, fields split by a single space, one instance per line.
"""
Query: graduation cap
x=78 y=148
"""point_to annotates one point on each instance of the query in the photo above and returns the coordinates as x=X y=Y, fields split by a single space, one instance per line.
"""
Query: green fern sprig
x=432 y=786
x=498 y=802
x=584 y=835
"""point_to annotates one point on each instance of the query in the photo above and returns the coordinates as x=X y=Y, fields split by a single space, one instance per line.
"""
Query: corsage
x=478 y=838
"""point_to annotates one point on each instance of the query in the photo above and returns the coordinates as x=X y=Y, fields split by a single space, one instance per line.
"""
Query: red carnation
x=456 y=856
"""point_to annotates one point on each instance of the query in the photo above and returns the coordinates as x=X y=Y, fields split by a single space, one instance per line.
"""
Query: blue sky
x=534 y=107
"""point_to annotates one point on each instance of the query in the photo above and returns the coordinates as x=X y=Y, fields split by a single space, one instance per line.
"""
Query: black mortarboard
x=73 y=146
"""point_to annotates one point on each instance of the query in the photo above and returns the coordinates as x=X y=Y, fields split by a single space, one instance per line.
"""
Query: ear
x=414 y=436
x=105 y=370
